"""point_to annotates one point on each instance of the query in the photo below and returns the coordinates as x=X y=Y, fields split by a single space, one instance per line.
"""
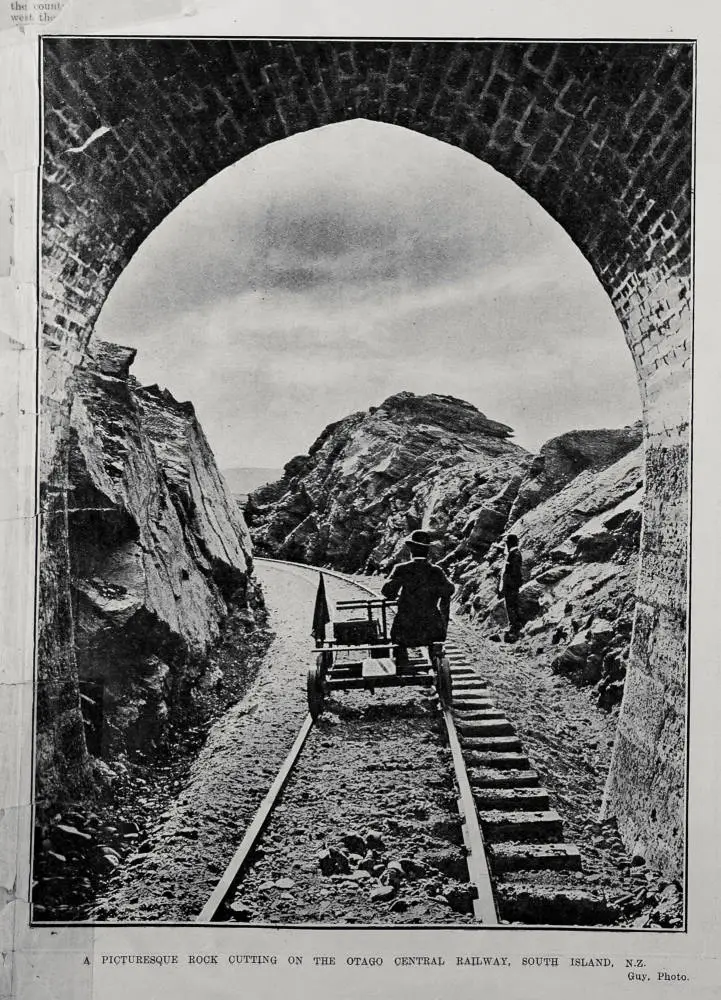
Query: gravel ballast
x=367 y=829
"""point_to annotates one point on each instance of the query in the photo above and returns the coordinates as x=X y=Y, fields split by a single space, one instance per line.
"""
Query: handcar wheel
x=316 y=692
x=444 y=683
x=324 y=661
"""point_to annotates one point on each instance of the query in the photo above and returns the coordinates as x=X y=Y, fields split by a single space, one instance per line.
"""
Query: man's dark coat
x=422 y=586
x=512 y=576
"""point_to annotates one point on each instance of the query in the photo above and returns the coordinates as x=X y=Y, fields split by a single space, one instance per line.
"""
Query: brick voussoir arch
x=598 y=133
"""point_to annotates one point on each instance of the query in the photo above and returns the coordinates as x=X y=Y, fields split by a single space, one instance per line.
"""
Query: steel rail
x=319 y=569
x=233 y=872
x=484 y=906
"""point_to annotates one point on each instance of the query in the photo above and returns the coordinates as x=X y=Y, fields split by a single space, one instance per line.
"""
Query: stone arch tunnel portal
x=598 y=134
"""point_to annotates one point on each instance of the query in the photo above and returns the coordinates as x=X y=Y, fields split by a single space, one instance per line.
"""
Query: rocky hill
x=159 y=552
x=438 y=463
x=369 y=479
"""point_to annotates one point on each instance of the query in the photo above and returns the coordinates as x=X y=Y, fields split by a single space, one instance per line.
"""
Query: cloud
x=323 y=273
x=352 y=205
x=256 y=317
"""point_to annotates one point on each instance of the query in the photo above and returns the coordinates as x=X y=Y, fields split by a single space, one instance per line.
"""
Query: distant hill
x=242 y=481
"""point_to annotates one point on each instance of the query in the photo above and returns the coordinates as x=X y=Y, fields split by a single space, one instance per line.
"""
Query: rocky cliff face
x=158 y=551
x=580 y=550
x=562 y=458
x=369 y=479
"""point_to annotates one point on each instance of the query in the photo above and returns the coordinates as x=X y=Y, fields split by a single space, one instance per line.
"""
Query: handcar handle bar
x=332 y=648
x=438 y=647
x=372 y=603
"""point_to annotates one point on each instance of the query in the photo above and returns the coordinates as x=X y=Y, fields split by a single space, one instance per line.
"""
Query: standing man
x=424 y=603
x=510 y=584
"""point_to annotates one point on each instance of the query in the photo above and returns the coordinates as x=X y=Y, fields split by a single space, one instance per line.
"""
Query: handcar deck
x=354 y=651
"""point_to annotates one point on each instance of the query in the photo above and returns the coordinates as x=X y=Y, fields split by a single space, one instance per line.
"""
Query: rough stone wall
x=599 y=134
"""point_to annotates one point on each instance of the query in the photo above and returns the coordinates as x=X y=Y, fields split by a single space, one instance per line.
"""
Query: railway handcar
x=353 y=650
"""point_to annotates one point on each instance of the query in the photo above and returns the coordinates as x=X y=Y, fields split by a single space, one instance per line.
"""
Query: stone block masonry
x=599 y=134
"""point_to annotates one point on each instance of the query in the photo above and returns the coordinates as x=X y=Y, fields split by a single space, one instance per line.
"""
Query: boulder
x=382 y=893
x=333 y=862
x=531 y=599
x=484 y=526
x=374 y=840
x=460 y=898
x=551 y=576
x=600 y=633
x=567 y=663
x=562 y=553
x=578 y=647
x=354 y=843
x=595 y=545
x=393 y=874
x=610 y=694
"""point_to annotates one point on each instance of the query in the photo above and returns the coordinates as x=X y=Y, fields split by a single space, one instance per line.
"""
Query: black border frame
x=385 y=928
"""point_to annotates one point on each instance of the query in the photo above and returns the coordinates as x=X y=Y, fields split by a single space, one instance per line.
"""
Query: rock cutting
x=165 y=586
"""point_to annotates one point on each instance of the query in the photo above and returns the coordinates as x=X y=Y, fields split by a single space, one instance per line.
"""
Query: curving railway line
x=519 y=869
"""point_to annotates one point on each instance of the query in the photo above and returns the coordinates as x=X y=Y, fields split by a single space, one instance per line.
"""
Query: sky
x=323 y=273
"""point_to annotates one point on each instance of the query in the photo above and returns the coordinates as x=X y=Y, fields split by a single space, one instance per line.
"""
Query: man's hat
x=419 y=541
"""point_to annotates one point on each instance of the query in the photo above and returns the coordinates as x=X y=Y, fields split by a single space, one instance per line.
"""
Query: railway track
x=519 y=866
